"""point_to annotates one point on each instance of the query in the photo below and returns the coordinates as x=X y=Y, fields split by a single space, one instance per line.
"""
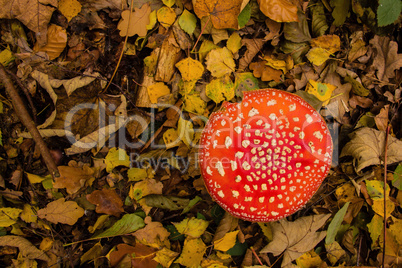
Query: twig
x=255 y=255
x=26 y=119
x=385 y=186
x=202 y=31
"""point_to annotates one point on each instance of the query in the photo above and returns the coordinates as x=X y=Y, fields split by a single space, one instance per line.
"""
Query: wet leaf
x=61 y=211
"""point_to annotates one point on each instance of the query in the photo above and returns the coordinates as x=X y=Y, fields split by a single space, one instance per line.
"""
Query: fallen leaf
x=153 y=234
x=192 y=252
x=116 y=157
x=129 y=223
x=309 y=259
x=387 y=58
x=297 y=32
x=245 y=82
x=220 y=62
x=171 y=138
x=253 y=48
x=186 y=131
x=61 y=211
x=340 y=11
x=334 y=252
x=194 y=104
x=226 y=242
x=138 y=21
x=156 y=91
x=295 y=238
x=279 y=10
x=335 y=224
x=28 y=215
x=267 y=73
x=26 y=248
x=73 y=178
x=190 y=69
x=136 y=174
x=166 y=257
x=321 y=91
x=192 y=227
x=107 y=201
x=144 y=188
x=9 y=216
x=319 y=23
x=166 y=16
x=367 y=148
x=381 y=119
x=234 y=42
x=92 y=254
x=187 y=21
x=220 y=89
x=223 y=14
x=141 y=255
x=69 y=8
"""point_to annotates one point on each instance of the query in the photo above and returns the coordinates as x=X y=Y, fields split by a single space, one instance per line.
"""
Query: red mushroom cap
x=264 y=158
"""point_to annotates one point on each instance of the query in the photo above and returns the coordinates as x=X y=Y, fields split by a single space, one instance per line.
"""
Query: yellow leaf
x=9 y=216
x=28 y=215
x=6 y=56
x=345 y=193
x=395 y=229
x=146 y=187
x=34 y=178
x=69 y=8
x=152 y=20
x=157 y=90
x=334 y=252
x=279 y=10
x=205 y=48
x=190 y=69
x=375 y=227
x=266 y=230
x=378 y=207
x=234 y=42
x=322 y=91
x=192 y=227
x=99 y=223
x=165 y=257
x=309 y=259
x=220 y=89
x=169 y=3
x=61 y=211
x=171 y=138
x=116 y=157
x=226 y=242
x=318 y=55
x=186 y=131
x=46 y=244
x=192 y=253
x=276 y=64
x=194 y=104
x=220 y=62
x=138 y=21
x=166 y=16
x=223 y=14
x=136 y=174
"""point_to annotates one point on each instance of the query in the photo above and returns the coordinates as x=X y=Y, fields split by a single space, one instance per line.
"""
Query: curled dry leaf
x=56 y=42
x=279 y=10
x=107 y=201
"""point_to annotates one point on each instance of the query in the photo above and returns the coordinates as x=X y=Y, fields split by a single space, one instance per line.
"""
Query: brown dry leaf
x=387 y=59
x=73 y=178
x=223 y=14
x=56 y=42
x=253 y=48
x=61 y=211
x=381 y=119
x=35 y=15
x=295 y=238
x=107 y=201
x=266 y=73
x=331 y=43
x=69 y=8
x=153 y=235
x=279 y=10
x=141 y=256
x=357 y=46
x=138 y=21
x=26 y=248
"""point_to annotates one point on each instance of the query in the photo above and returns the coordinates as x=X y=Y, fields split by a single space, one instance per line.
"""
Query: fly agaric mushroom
x=264 y=158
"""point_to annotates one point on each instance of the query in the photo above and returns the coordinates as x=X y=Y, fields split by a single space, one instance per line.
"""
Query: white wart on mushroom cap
x=264 y=158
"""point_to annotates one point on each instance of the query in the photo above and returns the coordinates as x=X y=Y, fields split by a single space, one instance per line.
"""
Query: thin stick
x=26 y=119
x=255 y=255
x=385 y=186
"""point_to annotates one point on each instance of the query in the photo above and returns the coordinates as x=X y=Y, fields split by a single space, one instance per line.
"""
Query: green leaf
x=319 y=23
x=397 y=182
x=244 y=16
x=191 y=204
x=335 y=224
x=166 y=202
x=245 y=82
x=127 y=224
x=188 y=22
x=388 y=11
x=341 y=11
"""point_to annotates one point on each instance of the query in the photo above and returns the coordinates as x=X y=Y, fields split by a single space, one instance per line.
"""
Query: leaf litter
x=130 y=192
